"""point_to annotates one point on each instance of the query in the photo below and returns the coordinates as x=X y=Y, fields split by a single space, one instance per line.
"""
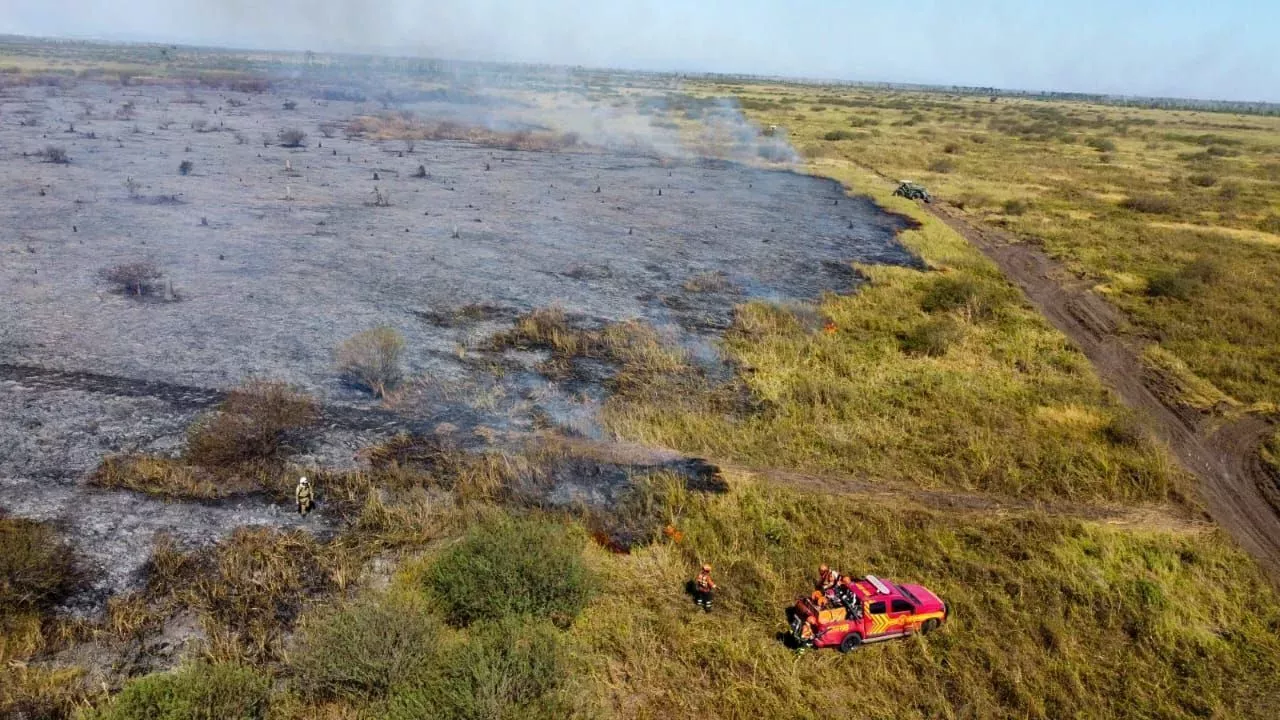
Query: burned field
x=160 y=245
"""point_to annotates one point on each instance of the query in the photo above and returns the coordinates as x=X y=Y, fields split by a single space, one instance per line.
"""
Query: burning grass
x=405 y=127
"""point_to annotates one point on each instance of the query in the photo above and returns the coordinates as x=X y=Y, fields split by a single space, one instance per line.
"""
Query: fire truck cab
x=864 y=610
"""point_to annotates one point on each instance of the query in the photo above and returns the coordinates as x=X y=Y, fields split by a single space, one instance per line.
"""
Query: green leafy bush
x=513 y=567
x=198 y=692
x=363 y=650
x=509 y=669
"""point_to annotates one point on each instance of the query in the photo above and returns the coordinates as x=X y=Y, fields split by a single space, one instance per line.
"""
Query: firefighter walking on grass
x=703 y=587
x=303 y=495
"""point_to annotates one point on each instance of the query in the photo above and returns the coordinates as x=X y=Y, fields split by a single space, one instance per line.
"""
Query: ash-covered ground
x=277 y=255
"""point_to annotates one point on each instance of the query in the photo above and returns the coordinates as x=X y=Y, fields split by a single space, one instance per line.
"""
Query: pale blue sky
x=1228 y=49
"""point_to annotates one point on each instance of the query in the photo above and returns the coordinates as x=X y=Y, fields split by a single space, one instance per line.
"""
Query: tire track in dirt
x=1225 y=460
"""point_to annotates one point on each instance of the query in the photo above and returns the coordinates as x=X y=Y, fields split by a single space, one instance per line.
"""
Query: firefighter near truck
x=863 y=610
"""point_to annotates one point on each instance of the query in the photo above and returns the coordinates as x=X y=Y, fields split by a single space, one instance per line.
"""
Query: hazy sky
x=1194 y=48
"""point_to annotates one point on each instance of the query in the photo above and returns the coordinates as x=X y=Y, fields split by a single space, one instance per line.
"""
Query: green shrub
x=363 y=650
x=509 y=669
x=1180 y=284
x=1171 y=285
x=837 y=135
x=199 y=692
x=1101 y=144
x=1150 y=204
x=953 y=292
x=1203 y=180
x=1015 y=207
x=942 y=165
x=513 y=567
x=932 y=337
x=36 y=569
x=1270 y=223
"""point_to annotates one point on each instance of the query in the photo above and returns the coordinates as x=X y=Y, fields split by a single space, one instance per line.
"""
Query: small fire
x=671 y=532
x=830 y=328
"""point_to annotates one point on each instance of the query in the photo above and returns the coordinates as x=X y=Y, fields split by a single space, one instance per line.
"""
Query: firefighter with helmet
x=827 y=579
x=304 y=497
x=703 y=586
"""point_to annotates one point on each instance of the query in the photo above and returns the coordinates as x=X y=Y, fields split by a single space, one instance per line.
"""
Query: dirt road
x=1225 y=459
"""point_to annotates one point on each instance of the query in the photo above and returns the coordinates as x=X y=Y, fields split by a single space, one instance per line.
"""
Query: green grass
x=1124 y=196
x=942 y=378
x=1050 y=617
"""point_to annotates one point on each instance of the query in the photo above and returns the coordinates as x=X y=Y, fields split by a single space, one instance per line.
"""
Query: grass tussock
x=248 y=590
x=37 y=569
x=635 y=348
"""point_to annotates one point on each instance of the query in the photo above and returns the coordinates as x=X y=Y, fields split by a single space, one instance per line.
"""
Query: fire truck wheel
x=850 y=642
x=929 y=626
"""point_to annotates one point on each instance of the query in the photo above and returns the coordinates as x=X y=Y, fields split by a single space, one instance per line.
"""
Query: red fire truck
x=864 y=610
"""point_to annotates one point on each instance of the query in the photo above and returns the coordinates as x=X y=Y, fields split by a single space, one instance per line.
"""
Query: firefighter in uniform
x=703 y=586
x=827 y=579
x=302 y=494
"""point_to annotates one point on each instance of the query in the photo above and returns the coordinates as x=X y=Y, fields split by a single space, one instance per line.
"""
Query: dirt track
x=1225 y=458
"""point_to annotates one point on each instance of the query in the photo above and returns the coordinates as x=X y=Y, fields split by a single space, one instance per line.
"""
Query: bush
x=513 y=668
x=254 y=423
x=1101 y=144
x=184 y=168
x=960 y=292
x=135 y=278
x=1015 y=206
x=198 y=692
x=951 y=148
x=291 y=137
x=932 y=337
x=942 y=165
x=363 y=650
x=1203 y=180
x=371 y=360
x=1150 y=204
x=513 y=567
x=837 y=135
x=1171 y=285
x=1180 y=284
x=36 y=568
x=55 y=154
